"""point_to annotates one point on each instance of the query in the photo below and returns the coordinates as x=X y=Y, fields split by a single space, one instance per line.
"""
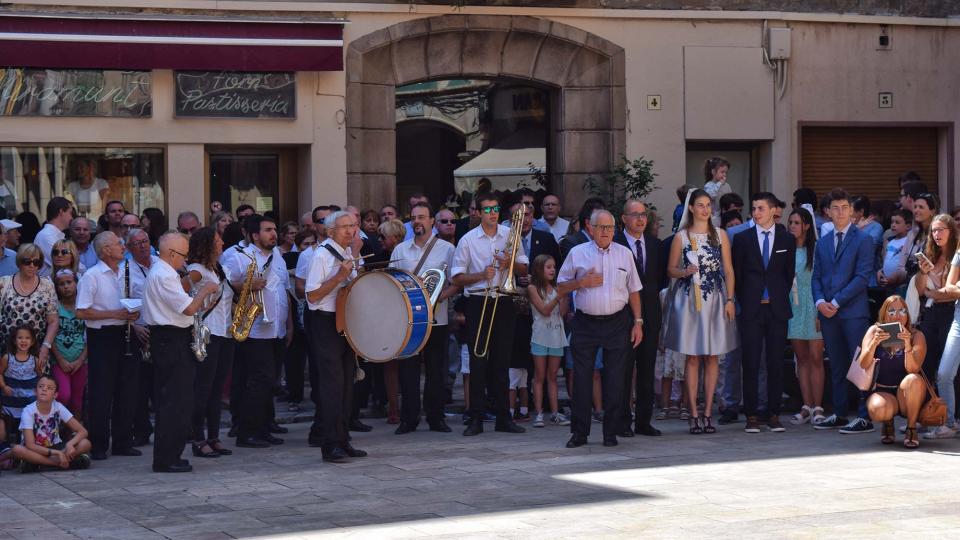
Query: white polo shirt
x=619 y=271
x=558 y=229
x=164 y=298
x=407 y=256
x=322 y=267
x=138 y=279
x=99 y=288
x=45 y=239
x=475 y=252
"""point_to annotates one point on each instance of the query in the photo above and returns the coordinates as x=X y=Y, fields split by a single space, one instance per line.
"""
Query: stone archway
x=586 y=73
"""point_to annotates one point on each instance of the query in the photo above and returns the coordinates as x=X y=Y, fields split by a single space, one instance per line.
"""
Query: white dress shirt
x=45 y=239
x=407 y=256
x=164 y=298
x=138 y=279
x=275 y=300
x=323 y=266
x=632 y=240
x=558 y=229
x=303 y=262
x=620 y=277
x=99 y=288
x=219 y=320
x=475 y=252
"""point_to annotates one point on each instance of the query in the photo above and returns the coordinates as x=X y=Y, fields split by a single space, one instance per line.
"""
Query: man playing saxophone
x=481 y=264
x=425 y=251
x=257 y=356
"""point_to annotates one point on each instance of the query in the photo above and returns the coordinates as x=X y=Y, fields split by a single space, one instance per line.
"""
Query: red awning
x=114 y=42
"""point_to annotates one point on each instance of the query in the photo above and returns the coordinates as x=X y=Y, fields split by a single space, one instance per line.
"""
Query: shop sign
x=75 y=92
x=230 y=94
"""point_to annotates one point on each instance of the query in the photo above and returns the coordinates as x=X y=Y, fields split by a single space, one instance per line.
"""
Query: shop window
x=90 y=177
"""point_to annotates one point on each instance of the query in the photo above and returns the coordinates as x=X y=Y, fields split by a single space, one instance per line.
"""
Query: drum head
x=377 y=317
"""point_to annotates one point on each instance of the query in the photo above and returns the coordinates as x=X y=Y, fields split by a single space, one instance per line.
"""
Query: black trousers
x=336 y=367
x=754 y=335
x=113 y=386
x=644 y=358
x=434 y=358
x=257 y=358
x=294 y=364
x=489 y=375
x=935 y=323
x=174 y=373
x=211 y=374
x=142 y=425
x=612 y=335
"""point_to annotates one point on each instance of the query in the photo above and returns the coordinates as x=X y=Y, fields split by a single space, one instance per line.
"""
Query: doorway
x=264 y=178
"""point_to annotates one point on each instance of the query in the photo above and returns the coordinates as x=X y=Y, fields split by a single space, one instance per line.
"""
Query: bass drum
x=387 y=315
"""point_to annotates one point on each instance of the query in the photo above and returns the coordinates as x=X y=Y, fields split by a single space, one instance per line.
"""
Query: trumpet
x=507 y=285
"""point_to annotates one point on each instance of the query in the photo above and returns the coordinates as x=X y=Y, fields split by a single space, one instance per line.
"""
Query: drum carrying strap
x=423 y=258
x=341 y=302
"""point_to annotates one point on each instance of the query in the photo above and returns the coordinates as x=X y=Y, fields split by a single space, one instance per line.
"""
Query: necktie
x=839 y=242
x=639 y=245
x=766 y=258
x=526 y=246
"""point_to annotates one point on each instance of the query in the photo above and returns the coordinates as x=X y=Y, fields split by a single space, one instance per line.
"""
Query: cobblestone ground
x=799 y=484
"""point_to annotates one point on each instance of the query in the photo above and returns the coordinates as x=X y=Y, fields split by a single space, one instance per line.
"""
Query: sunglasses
x=446 y=221
x=895 y=312
x=184 y=255
x=56 y=252
x=489 y=209
x=31 y=262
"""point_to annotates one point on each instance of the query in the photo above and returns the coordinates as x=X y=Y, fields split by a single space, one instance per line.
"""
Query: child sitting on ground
x=40 y=425
x=69 y=347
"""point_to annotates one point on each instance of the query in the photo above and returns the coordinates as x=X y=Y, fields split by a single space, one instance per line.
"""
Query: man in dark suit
x=842 y=266
x=764 y=259
x=647 y=255
x=583 y=235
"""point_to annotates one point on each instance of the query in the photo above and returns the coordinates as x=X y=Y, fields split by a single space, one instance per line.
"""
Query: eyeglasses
x=138 y=243
x=31 y=262
x=184 y=255
x=446 y=221
x=318 y=221
x=636 y=215
x=56 y=252
x=528 y=204
x=604 y=228
x=936 y=230
x=491 y=209
x=184 y=230
x=894 y=312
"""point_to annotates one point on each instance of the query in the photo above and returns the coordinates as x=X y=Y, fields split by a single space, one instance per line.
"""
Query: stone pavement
x=799 y=484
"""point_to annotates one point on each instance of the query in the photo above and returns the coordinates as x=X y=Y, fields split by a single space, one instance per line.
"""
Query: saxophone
x=201 y=333
x=247 y=309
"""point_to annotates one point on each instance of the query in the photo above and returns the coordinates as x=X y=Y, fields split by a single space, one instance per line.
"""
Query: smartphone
x=921 y=256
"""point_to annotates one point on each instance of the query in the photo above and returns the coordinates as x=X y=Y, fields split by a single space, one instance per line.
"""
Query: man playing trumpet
x=481 y=265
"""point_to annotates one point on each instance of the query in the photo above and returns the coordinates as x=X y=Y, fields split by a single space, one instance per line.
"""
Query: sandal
x=708 y=428
x=219 y=448
x=695 y=428
x=800 y=418
x=816 y=416
x=888 y=433
x=911 y=441
x=661 y=414
x=685 y=414
x=198 y=450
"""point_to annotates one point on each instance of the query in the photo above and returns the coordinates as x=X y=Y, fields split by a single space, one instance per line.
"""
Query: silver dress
x=692 y=328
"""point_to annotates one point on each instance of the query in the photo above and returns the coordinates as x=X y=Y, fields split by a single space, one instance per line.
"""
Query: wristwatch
x=638 y=320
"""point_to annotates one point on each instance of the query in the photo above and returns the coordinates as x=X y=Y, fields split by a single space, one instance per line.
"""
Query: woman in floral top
x=28 y=299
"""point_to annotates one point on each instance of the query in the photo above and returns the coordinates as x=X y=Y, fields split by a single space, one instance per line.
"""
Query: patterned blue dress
x=803 y=324
x=704 y=331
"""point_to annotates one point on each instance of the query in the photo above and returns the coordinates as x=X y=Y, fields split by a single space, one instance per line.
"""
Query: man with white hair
x=8 y=257
x=608 y=318
x=81 y=231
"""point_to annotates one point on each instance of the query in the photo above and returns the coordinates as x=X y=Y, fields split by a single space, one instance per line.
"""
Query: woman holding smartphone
x=936 y=315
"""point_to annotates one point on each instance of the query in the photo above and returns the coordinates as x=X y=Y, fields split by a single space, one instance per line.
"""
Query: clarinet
x=127 y=351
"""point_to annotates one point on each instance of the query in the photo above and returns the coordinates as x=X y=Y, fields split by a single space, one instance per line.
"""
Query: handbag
x=861 y=378
x=934 y=411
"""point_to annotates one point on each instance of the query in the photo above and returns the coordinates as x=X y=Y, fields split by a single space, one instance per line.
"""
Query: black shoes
x=175 y=468
x=252 y=442
x=356 y=425
x=405 y=428
x=610 y=440
x=198 y=450
x=336 y=455
x=274 y=427
x=475 y=428
x=625 y=433
x=141 y=441
x=509 y=427
x=728 y=417
x=441 y=426
x=273 y=440
x=132 y=452
x=98 y=456
x=647 y=430
x=351 y=451
x=576 y=441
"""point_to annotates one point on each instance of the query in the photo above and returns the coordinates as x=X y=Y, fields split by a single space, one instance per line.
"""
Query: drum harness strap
x=359 y=375
x=423 y=258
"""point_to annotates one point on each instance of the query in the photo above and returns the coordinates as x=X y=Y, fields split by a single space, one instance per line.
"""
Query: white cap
x=9 y=224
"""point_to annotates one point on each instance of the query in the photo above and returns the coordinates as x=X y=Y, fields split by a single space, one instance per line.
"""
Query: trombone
x=506 y=286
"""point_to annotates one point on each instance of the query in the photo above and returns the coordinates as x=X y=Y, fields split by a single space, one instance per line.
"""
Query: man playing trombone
x=484 y=263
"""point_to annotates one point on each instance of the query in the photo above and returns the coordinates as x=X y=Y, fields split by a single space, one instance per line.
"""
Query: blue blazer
x=842 y=275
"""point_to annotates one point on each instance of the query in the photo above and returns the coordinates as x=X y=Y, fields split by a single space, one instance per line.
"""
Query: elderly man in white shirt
x=169 y=311
x=331 y=267
x=480 y=265
x=556 y=225
x=608 y=318
x=425 y=251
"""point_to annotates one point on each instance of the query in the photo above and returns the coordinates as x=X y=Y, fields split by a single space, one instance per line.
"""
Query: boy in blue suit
x=841 y=270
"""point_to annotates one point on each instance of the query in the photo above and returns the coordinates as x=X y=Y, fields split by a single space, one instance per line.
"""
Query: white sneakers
x=941 y=432
x=556 y=419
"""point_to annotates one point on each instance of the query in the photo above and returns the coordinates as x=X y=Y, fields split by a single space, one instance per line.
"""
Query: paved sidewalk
x=799 y=484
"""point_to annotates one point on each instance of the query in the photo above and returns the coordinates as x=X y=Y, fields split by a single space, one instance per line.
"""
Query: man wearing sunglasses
x=446 y=225
x=480 y=264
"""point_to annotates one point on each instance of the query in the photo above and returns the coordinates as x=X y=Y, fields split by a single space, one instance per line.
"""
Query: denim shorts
x=539 y=350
